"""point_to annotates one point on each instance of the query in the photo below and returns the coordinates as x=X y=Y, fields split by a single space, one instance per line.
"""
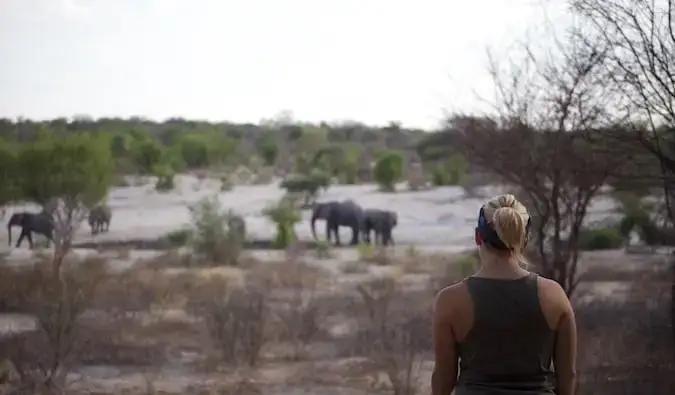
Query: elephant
x=336 y=214
x=99 y=219
x=41 y=223
x=382 y=222
x=237 y=225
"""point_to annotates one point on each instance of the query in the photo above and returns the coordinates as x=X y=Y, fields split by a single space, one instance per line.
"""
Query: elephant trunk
x=9 y=233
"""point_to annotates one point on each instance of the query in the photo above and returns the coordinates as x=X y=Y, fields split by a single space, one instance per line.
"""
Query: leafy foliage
x=388 y=170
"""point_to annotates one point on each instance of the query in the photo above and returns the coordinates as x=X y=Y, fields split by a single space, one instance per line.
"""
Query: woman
x=505 y=327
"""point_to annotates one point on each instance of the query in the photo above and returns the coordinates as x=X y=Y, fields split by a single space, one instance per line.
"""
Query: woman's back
x=503 y=328
x=507 y=344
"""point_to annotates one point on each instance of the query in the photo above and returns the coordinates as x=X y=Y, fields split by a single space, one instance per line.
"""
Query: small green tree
x=217 y=235
x=285 y=214
x=165 y=177
x=196 y=149
x=307 y=186
x=451 y=173
x=269 y=150
x=388 y=170
x=73 y=171
x=146 y=154
x=457 y=165
x=9 y=187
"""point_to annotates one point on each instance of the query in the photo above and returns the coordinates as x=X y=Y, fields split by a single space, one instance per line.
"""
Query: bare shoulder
x=450 y=295
x=552 y=295
x=550 y=288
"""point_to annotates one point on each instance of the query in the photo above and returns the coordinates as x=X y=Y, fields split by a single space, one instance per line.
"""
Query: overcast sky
x=242 y=60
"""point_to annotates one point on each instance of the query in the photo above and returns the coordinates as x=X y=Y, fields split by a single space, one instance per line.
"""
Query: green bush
x=217 y=236
x=165 y=177
x=307 y=186
x=600 y=239
x=450 y=174
x=440 y=176
x=285 y=215
x=388 y=170
x=178 y=237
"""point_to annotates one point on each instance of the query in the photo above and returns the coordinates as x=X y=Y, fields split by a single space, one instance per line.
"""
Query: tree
x=73 y=171
x=9 y=188
x=269 y=150
x=146 y=155
x=640 y=38
x=196 y=150
x=388 y=170
x=546 y=105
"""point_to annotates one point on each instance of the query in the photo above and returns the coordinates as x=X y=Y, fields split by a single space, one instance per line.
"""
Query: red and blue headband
x=489 y=234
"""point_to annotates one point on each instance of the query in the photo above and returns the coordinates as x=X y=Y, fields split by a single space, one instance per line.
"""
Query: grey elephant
x=99 y=218
x=382 y=222
x=41 y=223
x=237 y=225
x=336 y=214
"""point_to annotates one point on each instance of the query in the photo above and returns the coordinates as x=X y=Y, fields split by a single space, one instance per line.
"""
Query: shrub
x=393 y=337
x=178 y=237
x=226 y=183
x=301 y=313
x=285 y=215
x=323 y=249
x=454 y=270
x=374 y=254
x=218 y=235
x=600 y=239
x=165 y=178
x=236 y=320
x=388 y=170
x=58 y=301
x=306 y=185
x=440 y=176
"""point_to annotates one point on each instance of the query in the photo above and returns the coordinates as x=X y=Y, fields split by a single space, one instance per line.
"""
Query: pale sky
x=372 y=61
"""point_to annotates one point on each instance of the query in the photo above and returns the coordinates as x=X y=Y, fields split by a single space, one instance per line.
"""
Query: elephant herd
x=363 y=222
x=43 y=223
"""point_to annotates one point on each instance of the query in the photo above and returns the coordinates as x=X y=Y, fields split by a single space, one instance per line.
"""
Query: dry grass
x=628 y=348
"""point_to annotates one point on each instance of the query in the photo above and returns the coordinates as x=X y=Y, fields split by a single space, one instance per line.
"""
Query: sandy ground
x=441 y=217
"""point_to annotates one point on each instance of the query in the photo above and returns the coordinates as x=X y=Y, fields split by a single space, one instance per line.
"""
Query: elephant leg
x=29 y=236
x=355 y=235
x=24 y=234
x=378 y=237
x=20 y=239
x=386 y=237
x=336 y=230
x=328 y=230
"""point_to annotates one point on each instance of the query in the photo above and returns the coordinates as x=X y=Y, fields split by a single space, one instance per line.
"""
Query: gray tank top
x=509 y=349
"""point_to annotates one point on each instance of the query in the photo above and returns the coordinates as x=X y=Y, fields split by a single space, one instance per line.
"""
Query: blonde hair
x=509 y=219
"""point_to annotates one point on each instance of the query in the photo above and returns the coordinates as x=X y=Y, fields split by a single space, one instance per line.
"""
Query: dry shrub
x=394 y=334
x=169 y=258
x=627 y=347
x=417 y=262
x=374 y=254
x=291 y=274
x=58 y=302
x=236 y=319
x=301 y=312
x=453 y=269
x=354 y=267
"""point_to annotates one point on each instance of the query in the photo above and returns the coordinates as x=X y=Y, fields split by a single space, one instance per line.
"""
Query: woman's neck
x=501 y=267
